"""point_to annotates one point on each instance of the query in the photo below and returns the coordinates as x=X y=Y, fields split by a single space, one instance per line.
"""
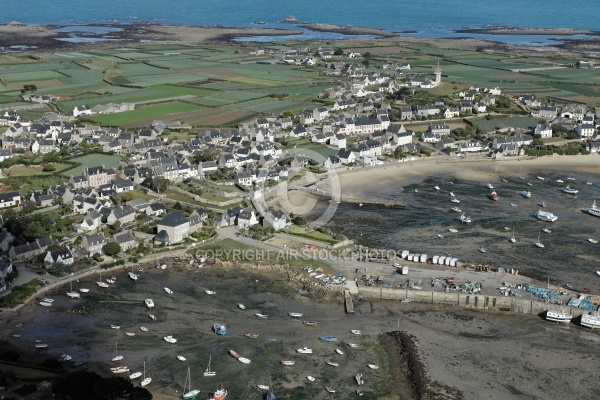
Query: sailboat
x=208 y=372
x=146 y=381
x=512 y=239
x=589 y=182
x=71 y=293
x=539 y=243
x=188 y=393
x=117 y=357
x=101 y=283
x=132 y=275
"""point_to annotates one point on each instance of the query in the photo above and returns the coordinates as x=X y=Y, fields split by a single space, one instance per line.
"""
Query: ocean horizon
x=424 y=19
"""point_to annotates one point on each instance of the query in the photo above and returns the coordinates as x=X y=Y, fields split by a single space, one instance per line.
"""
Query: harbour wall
x=473 y=301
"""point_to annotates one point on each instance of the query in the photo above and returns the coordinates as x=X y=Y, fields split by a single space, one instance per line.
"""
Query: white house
x=544 y=130
x=82 y=110
x=61 y=256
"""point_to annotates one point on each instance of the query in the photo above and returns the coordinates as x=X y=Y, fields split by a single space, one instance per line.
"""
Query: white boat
x=47 y=300
x=41 y=346
x=263 y=387
x=115 y=326
x=559 y=181
x=135 y=375
x=130 y=333
x=569 y=190
x=145 y=381
x=288 y=363
x=546 y=230
x=132 y=276
x=330 y=389
x=71 y=293
x=16 y=335
x=464 y=219
x=310 y=378
x=529 y=184
x=169 y=291
x=512 y=239
x=181 y=358
x=590 y=321
x=526 y=194
x=263 y=316
x=208 y=372
x=170 y=339
x=149 y=303
x=359 y=392
x=455 y=200
x=356 y=331
x=571 y=178
x=359 y=379
x=594 y=210
x=542 y=204
x=210 y=291
x=539 y=243
x=482 y=249
x=295 y=315
x=45 y=304
x=541 y=178
x=451 y=194
x=120 y=370
x=116 y=356
x=436 y=187
x=244 y=360
x=373 y=366
x=513 y=205
x=545 y=216
x=152 y=317
x=143 y=329
x=452 y=230
x=456 y=209
x=188 y=393
x=304 y=350
x=101 y=283
x=558 y=316
x=589 y=182
x=241 y=306
x=84 y=290
x=440 y=236
x=504 y=180
x=353 y=345
x=592 y=240
x=111 y=281
x=340 y=352
x=66 y=357
x=333 y=364
x=490 y=186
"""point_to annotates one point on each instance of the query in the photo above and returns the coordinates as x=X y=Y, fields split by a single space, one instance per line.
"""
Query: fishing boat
x=310 y=323
x=592 y=240
x=359 y=379
x=71 y=293
x=116 y=356
x=539 y=243
x=208 y=372
x=219 y=329
x=130 y=333
x=569 y=190
x=45 y=304
x=333 y=364
x=119 y=370
x=546 y=230
x=288 y=362
x=113 y=326
x=188 y=393
x=328 y=338
x=135 y=375
x=490 y=186
x=233 y=354
x=244 y=360
x=241 y=306
x=220 y=394
x=373 y=366
x=149 y=303
x=145 y=381
x=493 y=196
x=263 y=316
x=304 y=350
x=168 y=291
x=310 y=378
x=170 y=339
x=340 y=352
x=526 y=194
x=590 y=321
x=181 y=358
x=330 y=389
x=251 y=335
x=464 y=219
x=512 y=239
x=545 y=216
x=84 y=290
x=295 y=315
x=558 y=316
x=594 y=210
x=456 y=209
x=210 y=291
x=356 y=331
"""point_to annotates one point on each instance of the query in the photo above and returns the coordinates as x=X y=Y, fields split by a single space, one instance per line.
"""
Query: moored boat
x=569 y=190
x=464 y=219
x=132 y=276
x=310 y=378
x=340 y=352
x=590 y=321
x=181 y=358
x=490 y=186
x=263 y=387
x=170 y=339
x=45 y=304
x=304 y=350
x=188 y=392
x=169 y=291
x=220 y=394
x=493 y=196
x=149 y=303
x=119 y=370
x=84 y=290
x=356 y=331
x=233 y=354
x=263 y=316
x=545 y=216
x=41 y=346
x=558 y=316
x=373 y=366
x=594 y=210
x=592 y=240
x=526 y=194
x=244 y=360
x=251 y=335
x=143 y=329
x=333 y=364
x=330 y=389
x=219 y=329
x=310 y=323
x=135 y=375
x=359 y=379
x=210 y=291
x=295 y=314
x=328 y=338
x=288 y=362
x=130 y=333
x=456 y=209
x=241 y=306
x=113 y=326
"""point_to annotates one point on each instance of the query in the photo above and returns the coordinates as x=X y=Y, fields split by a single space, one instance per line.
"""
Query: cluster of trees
x=32 y=226
x=156 y=183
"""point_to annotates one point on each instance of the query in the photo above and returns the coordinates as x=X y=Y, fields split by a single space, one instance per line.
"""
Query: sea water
x=423 y=18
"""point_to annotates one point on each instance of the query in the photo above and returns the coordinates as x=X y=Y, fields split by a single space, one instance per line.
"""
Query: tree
x=29 y=88
x=160 y=184
x=338 y=52
x=111 y=249
x=288 y=114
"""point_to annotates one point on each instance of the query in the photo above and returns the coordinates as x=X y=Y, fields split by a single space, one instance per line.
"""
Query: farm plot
x=31 y=76
x=145 y=113
x=92 y=160
x=222 y=117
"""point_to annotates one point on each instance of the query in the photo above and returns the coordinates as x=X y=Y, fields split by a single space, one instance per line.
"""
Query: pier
x=349 y=303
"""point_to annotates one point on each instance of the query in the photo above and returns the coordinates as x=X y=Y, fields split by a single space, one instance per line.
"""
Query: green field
x=145 y=114
x=92 y=160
